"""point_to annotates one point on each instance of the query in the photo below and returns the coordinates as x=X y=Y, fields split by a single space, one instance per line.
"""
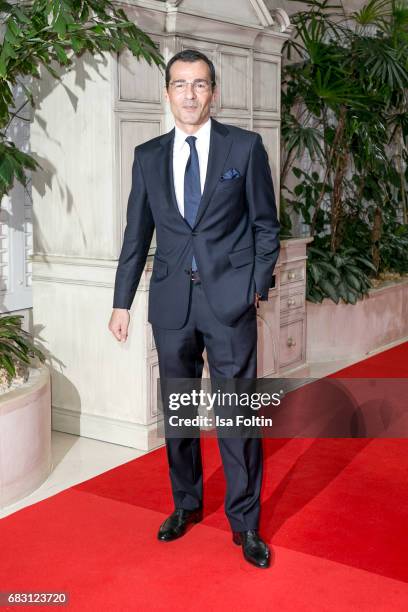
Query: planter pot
x=25 y=437
x=343 y=331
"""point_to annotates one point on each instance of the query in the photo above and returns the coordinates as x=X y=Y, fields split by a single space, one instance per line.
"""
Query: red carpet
x=335 y=512
x=392 y=363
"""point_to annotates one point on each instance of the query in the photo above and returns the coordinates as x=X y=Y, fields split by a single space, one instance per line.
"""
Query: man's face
x=191 y=106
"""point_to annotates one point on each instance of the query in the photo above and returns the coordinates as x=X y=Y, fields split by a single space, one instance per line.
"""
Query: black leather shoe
x=254 y=548
x=176 y=524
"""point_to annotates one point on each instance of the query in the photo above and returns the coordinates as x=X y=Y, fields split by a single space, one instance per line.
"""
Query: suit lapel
x=166 y=167
x=220 y=145
x=166 y=173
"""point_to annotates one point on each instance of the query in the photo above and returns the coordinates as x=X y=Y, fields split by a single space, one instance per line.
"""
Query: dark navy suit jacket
x=235 y=238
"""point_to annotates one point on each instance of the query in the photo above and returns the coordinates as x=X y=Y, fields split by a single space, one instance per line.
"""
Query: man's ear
x=166 y=95
x=214 y=98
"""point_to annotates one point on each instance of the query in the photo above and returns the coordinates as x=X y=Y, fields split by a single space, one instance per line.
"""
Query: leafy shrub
x=339 y=276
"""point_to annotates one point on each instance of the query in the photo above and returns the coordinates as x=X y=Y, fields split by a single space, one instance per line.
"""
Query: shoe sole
x=256 y=564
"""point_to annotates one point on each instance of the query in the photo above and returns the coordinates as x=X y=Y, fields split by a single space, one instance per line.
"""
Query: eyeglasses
x=199 y=85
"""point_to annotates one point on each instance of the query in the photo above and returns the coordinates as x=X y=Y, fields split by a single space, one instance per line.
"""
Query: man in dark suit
x=207 y=189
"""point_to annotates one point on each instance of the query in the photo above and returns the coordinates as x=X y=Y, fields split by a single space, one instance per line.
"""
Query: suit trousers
x=231 y=353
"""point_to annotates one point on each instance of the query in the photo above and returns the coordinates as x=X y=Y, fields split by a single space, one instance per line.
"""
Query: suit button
x=187 y=271
x=194 y=233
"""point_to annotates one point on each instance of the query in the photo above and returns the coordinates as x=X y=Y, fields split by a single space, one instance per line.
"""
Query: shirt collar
x=201 y=134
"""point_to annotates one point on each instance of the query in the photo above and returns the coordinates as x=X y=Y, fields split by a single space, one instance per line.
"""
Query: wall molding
x=126 y=433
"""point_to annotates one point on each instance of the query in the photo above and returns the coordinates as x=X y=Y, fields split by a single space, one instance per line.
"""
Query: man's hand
x=119 y=323
x=256 y=300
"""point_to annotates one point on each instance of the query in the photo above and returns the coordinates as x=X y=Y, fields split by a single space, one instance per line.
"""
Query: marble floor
x=76 y=458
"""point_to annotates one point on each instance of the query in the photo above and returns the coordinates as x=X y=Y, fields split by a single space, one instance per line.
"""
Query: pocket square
x=230 y=174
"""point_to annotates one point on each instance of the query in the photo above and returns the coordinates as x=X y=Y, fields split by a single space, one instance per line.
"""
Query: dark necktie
x=192 y=187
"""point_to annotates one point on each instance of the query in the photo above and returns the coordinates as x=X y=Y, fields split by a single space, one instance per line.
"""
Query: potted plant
x=17 y=352
x=345 y=132
x=345 y=169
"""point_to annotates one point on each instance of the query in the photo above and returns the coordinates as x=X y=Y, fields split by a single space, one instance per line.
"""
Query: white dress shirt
x=181 y=153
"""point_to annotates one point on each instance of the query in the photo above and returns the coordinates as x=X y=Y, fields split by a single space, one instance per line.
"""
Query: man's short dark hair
x=190 y=55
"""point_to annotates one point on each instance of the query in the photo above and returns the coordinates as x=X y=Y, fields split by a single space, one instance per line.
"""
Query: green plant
x=51 y=34
x=16 y=346
x=338 y=276
x=303 y=198
x=344 y=114
x=394 y=249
